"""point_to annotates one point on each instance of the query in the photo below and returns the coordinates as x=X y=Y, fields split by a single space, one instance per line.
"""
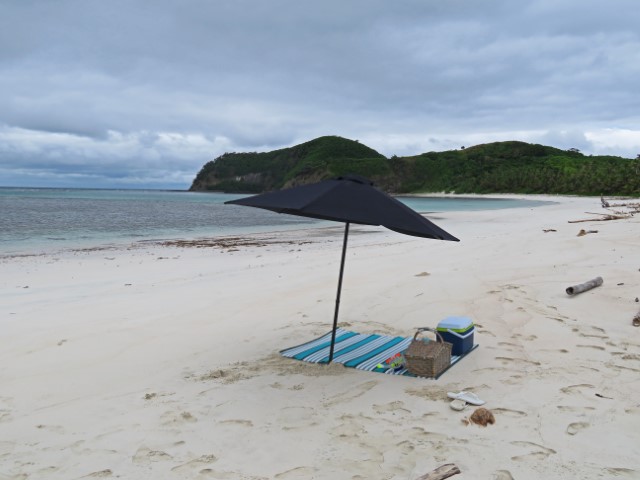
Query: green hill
x=500 y=167
x=324 y=157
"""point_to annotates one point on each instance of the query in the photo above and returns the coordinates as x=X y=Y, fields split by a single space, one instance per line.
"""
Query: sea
x=53 y=219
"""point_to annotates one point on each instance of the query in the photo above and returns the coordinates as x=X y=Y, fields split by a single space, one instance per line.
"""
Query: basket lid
x=456 y=324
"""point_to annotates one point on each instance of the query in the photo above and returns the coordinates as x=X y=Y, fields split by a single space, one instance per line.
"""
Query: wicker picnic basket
x=428 y=359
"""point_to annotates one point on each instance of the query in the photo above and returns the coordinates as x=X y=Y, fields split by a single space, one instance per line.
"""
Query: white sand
x=161 y=362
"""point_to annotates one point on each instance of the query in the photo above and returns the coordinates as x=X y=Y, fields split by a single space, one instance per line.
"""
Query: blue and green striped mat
x=358 y=350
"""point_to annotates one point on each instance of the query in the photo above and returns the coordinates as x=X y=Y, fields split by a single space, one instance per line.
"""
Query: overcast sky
x=142 y=93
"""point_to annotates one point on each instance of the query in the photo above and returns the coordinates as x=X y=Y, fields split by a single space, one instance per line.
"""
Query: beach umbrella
x=348 y=199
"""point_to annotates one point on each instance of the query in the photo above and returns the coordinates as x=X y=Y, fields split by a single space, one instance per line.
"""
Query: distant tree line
x=517 y=167
x=500 y=167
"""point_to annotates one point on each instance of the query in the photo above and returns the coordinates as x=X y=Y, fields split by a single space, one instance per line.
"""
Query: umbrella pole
x=335 y=315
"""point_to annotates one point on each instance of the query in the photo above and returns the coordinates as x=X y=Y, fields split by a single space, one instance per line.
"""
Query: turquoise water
x=43 y=219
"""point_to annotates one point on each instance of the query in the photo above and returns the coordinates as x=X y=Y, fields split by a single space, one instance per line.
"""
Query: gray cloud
x=144 y=92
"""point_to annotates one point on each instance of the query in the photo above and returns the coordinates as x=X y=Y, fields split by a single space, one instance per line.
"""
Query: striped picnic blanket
x=358 y=350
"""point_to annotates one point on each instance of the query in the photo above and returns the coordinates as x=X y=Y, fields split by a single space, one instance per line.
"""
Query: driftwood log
x=440 y=473
x=606 y=217
x=631 y=205
x=583 y=287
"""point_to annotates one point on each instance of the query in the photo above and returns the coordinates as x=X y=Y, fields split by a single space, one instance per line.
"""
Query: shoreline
x=51 y=246
x=163 y=361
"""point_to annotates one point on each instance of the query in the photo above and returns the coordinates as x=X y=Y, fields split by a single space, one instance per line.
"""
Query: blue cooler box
x=459 y=332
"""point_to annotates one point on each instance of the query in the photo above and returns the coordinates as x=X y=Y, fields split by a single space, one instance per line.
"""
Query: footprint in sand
x=420 y=435
x=226 y=377
x=491 y=369
x=351 y=427
x=576 y=388
x=196 y=464
x=575 y=427
x=635 y=410
x=508 y=412
x=537 y=452
x=101 y=474
x=618 y=368
x=244 y=423
x=430 y=392
x=351 y=430
x=404 y=447
x=52 y=428
x=367 y=467
x=211 y=473
x=568 y=408
x=561 y=350
x=45 y=472
x=589 y=335
x=177 y=418
x=145 y=455
x=391 y=407
x=512 y=380
x=595 y=347
x=507 y=360
x=502 y=475
x=528 y=338
x=557 y=319
x=352 y=394
x=630 y=356
x=292 y=418
x=427 y=415
x=627 y=472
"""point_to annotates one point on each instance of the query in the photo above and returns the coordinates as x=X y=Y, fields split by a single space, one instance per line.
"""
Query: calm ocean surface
x=45 y=219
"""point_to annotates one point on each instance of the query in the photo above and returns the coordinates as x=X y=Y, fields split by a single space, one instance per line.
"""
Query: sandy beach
x=161 y=361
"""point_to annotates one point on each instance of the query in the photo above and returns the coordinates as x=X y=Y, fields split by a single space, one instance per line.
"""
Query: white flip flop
x=458 y=405
x=468 y=397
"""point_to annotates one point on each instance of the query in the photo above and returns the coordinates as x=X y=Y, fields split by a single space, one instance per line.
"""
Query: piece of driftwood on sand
x=605 y=216
x=583 y=287
x=634 y=206
x=440 y=473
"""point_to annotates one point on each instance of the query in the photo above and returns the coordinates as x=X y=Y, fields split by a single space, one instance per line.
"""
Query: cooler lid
x=456 y=324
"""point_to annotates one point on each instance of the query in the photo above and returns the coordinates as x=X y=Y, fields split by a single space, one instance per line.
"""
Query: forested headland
x=499 y=167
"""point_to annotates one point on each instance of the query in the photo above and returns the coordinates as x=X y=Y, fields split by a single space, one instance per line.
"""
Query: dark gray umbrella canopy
x=348 y=199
